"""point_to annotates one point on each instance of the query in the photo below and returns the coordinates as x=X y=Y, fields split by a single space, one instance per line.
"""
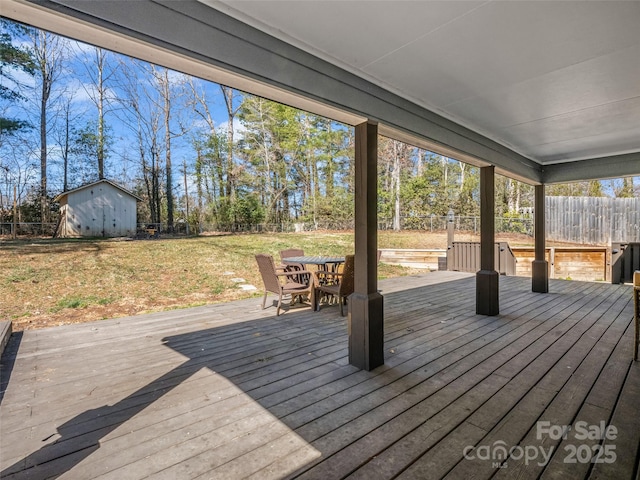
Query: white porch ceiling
x=546 y=91
x=555 y=81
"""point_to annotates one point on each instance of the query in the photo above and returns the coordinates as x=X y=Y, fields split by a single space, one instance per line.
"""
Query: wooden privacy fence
x=593 y=220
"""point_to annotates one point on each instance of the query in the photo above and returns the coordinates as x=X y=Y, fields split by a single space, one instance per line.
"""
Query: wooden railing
x=625 y=260
x=465 y=257
x=571 y=263
x=576 y=263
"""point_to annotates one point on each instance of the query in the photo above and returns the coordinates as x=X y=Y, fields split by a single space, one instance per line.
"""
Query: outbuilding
x=99 y=209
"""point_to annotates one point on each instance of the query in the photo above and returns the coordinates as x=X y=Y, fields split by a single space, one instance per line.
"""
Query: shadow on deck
x=230 y=391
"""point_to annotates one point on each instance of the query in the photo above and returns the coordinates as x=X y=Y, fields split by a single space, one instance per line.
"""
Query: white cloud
x=238 y=128
x=19 y=78
x=198 y=123
x=177 y=77
x=77 y=91
x=81 y=92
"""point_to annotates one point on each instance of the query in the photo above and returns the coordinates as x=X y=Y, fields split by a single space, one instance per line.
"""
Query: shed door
x=101 y=215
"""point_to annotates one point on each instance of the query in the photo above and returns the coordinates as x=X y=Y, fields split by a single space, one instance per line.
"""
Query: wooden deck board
x=230 y=391
x=514 y=355
x=533 y=393
x=460 y=367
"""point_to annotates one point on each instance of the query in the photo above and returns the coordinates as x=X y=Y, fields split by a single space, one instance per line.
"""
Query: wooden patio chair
x=338 y=284
x=280 y=282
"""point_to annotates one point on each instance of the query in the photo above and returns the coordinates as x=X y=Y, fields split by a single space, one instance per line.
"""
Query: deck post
x=365 y=320
x=539 y=266
x=487 y=278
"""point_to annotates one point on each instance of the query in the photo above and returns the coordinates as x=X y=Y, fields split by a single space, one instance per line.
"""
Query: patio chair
x=294 y=252
x=280 y=282
x=338 y=284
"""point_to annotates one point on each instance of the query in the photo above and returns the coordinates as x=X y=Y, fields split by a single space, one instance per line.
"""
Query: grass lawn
x=48 y=282
x=55 y=282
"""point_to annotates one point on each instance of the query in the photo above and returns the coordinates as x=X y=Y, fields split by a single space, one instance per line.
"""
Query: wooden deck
x=230 y=391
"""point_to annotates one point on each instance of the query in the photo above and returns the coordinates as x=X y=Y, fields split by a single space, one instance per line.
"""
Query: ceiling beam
x=592 y=169
x=431 y=146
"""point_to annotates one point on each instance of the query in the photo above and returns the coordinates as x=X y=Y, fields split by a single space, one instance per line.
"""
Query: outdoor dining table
x=319 y=260
x=323 y=263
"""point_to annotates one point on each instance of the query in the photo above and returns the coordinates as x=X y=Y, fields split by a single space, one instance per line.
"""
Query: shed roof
x=93 y=184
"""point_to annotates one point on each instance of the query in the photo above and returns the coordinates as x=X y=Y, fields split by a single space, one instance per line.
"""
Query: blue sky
x=75 y=85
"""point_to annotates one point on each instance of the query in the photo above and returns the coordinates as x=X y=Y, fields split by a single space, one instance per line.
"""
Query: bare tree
x=162 y=78
x=198 y=101
x=100 y=75
x=229 y=94
x=142 y=115
x=395 y=157
x=16 y=170
x=396 y=184
x=49 y=54
x=167 y=95
x=64 y=142
x=420 y=163
x=221 y=155
x=312 y=186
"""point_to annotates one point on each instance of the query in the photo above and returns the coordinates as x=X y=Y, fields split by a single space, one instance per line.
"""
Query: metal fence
x=28 y=229
x=431 y=223
x=585 y=220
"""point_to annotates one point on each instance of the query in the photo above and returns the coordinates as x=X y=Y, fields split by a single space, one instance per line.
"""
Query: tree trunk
x=166 y=94
x=45 y=72
x=396 y=186
x=198 y=172
x=101 y=142
x=231 y=180
x=330 y=171
x=65 y=151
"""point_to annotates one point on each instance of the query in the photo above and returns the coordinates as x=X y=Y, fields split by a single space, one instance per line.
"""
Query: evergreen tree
x=13 y=58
